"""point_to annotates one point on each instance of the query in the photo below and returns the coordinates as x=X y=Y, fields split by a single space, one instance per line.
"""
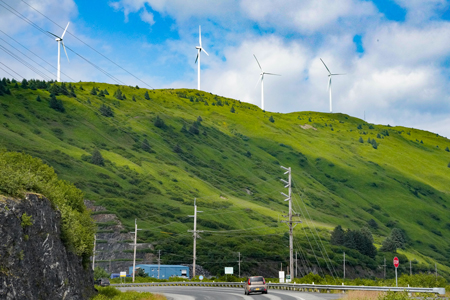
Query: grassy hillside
x=230 y=162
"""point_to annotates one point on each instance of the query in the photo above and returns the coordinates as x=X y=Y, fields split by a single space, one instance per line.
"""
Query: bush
x=160 y=123
x=361 y=140
x=106 y=110
x=26 y=220
x=56 y=104
x=100 y=273
x=271 y=119
x=97 y=158
x=21 y=173
x=146 y=96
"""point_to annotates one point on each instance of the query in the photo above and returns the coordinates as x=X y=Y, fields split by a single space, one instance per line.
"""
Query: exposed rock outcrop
x=34 y=263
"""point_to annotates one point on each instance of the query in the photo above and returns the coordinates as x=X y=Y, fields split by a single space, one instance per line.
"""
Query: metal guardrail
x=293 y=287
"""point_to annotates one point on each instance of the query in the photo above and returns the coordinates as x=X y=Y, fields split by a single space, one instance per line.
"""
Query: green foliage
x=38 y=99
x=26 y=220
x=271 y=119
x=160 y=123
x=21 y=173
x=396 y=239
x=232 y=109
x=361 y=140
x=106 y=110
x=118 y=94
x=394 y=296
x=94 y=91
x=111 y=293
x=374 y=144
x=97 y=158
x=100 y=273
x=446 y=149
x=141 y=273
x=359 y=126
x=146 y=146
x=146 y=95
x=360 y=240
x=338 y=236
x=56 y=104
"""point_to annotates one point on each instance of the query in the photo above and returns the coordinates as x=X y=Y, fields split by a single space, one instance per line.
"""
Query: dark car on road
x=102 y=282
x=255 y=284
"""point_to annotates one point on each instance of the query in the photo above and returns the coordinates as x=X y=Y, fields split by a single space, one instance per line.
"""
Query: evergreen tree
x=159 y=123
x=388 y=245
x=53 y=89
x=232 y=109
x=271 y=119
x=134 y=98
x=369 y=141
x=146 y=146
x=199 y=119
x=398 y=237
x=309 y=119
x=63 y=89
x=38 y=99
x=446 y=149
x=97 y=158
x=106 y=92
x=372 y=223
x=106 y=110
x=24 y=84
x=56 y=104
x=118 y=94
x=183 y=129
x=206 y=103
x=177 y=149
x=101 y=94
x=361 y=140
x=448 y=165
x=359 y=126
x=93 y=91
x=337 y=236
x=16 y=86
x=81 y=88
x=32 y=85
x=146 y=96
x=374 y=144
x=367 y=233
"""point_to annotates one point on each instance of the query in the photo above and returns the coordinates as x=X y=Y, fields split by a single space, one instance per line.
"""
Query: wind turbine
x=60 y=41
x=199 y=49
x=262 y=81
x=329 y=84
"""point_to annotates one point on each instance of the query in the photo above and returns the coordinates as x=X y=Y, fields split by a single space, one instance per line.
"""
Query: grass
x=111 y=293
x=362 y=295
x=336 y=178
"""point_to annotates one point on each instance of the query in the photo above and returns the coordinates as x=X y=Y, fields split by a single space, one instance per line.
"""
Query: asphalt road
x=218 y=293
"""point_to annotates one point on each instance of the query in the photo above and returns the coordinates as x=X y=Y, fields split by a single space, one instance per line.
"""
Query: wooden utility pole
x=195 y=235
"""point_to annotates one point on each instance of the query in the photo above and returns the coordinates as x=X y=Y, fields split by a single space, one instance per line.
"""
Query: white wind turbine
x=262 y=81
x=60 y=41
x=329 y=84
x=199 y=49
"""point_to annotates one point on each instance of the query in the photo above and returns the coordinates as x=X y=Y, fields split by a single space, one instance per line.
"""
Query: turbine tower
x=199 y=49
x=262 y=81
x=60 y=41
x=329 y=84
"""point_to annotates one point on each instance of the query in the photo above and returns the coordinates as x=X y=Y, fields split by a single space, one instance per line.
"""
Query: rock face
x=34 y=263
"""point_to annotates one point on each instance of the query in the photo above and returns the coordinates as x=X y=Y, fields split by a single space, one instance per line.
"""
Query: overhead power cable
x=8 y=73
x=12 y=70
x=88 y=45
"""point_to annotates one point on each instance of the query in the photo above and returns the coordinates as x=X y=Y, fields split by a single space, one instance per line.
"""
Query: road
x=218 y=293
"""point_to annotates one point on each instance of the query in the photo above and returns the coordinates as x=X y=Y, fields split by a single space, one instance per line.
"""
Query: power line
x=11 y=70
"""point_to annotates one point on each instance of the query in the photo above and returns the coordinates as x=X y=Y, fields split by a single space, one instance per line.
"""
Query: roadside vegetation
x=111 y=293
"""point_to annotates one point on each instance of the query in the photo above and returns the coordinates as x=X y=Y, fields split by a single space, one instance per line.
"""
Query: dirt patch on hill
x=307 y=126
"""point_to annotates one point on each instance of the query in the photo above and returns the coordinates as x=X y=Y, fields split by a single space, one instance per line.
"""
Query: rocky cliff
x=34 y=263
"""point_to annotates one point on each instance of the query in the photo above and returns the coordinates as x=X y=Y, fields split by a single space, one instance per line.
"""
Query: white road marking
x=177 y=296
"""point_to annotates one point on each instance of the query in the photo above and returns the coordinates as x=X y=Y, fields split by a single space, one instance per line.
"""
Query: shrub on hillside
x=56 y=104
x=271 y=119
x=146 y=96
x=160 y=123
x=20 y=173
x=106 y=110
x=361 y=140
x=97 y=158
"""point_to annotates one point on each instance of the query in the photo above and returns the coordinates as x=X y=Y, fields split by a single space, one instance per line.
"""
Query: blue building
x=165 y=271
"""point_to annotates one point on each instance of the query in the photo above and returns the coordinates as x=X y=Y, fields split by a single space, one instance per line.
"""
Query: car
x=255 y=284
x=102 y=282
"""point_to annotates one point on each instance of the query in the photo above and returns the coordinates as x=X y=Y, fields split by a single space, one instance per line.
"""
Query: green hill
x=163 y=152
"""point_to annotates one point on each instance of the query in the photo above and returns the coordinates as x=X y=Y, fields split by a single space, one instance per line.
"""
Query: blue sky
x=395 y=53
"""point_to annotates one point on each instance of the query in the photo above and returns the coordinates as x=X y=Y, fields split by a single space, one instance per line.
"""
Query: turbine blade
x=272 y=74
x=205 y=51
x=259 y=80
x=200 y=35
x=64 y=47
x=257 y=62
x=338 y=74
x=54 y=35
x=65 y=31
x=326 y=66
x=196 y=58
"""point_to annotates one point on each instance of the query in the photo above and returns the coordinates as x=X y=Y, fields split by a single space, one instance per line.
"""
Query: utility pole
x=239 y=261
x=291 y=228
x=135 y=244
x=384 y=268
x=195 y=235
x=159 y=262
x=93 y=253
x=344 y=265
x=410 y=269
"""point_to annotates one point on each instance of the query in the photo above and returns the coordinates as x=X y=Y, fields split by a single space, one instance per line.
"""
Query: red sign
x=396 y=262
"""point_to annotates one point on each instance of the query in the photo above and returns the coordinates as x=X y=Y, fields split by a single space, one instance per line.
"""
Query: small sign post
x=123 y=274
x=396 y=264
x=281 y=276
x=229 y=270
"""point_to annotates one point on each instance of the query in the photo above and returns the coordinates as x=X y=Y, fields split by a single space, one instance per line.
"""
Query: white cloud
x=147 y=17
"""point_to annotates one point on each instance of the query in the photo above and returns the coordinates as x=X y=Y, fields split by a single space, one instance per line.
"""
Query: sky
x=395 y=54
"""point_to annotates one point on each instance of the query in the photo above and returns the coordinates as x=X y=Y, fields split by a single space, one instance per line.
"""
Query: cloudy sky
x=395 y=53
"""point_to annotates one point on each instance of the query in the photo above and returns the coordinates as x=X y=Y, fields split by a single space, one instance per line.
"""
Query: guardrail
x=294 y=287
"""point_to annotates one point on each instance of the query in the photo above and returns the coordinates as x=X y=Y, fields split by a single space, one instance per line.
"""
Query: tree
x=359 y=126
x=160 y=123
x=140 y=273
x=93 y=91
x=388 y=245
x=337 y=236
x=271 y=119
x=372 y=223
x=118 y=94
x=248 y=154
x=101 y=94
x=194 y=128
x=38 y=99
x=374 y=144
x=367 y=233
x=100 y=273
x=24 y=84
x=448 y=165
x=56 y=104
x=146 y=96
x=361 y=140
x=369 y=141
x=106 y=92
x=97 y=158
x=446 y=149
x=177 y=149
x=106 y=111
x=134 y=98
x=199 y=119
x=232 y=109
x=398 y=237
x=146 y=146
